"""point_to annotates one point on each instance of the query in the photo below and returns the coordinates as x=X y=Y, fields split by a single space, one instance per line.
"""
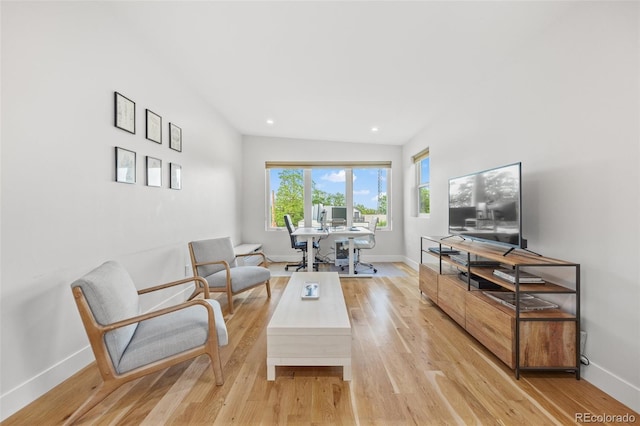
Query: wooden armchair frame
x=227 y=289
x=111 y=378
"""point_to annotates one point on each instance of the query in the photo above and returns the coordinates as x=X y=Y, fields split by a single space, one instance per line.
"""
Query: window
x=366 y=197
x=422 y=163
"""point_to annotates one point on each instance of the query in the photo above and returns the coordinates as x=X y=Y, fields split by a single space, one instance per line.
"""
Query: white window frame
x=417 y=160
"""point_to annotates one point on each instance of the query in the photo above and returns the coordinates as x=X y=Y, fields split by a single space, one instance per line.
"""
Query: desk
x=350 y=233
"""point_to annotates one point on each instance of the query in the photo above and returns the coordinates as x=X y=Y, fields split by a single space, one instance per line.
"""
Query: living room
x=562 y=98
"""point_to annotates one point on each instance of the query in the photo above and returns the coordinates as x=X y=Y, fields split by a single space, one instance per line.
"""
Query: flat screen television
x=487 y=206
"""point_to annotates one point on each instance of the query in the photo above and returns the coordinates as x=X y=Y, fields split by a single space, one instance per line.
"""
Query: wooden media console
x=523 y=338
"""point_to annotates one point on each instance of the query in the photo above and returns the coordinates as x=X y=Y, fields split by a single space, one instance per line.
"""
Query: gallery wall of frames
x=126 y=159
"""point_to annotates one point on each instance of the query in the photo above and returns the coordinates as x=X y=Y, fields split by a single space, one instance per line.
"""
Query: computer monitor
x=339 y=213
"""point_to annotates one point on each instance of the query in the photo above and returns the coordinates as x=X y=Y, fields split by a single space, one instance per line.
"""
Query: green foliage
x=425 y=201
x=364 y=210
x=326 y=199
x=290 y=196
x=382 y=204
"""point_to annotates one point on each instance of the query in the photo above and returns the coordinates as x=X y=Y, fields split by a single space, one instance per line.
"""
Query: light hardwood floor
x=411 y=365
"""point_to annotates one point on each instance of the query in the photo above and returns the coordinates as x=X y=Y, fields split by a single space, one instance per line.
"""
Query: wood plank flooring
x=412 y=365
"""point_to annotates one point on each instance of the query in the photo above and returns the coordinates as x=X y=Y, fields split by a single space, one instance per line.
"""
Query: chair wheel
x=375 y=270
x=355 y=272
x=286 y=268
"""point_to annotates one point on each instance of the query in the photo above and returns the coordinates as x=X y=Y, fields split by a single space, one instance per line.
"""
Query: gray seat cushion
x=112 y=296
x=241 y=277
x=170 y=334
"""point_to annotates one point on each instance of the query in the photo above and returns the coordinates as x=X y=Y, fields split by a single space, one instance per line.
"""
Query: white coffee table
x=310 y=332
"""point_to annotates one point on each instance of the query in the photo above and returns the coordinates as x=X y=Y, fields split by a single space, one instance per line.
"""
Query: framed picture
x=154 y=171
x=125 y=165
x=125 y=113
x=175 y=137
x=175 y=171
x=154 y=127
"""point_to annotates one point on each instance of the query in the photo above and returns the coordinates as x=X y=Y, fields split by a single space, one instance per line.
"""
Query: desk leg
x=311 y=254
x=351 y=256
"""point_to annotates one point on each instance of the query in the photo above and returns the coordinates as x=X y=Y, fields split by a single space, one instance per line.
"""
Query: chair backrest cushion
x=289 y=223
x=112 y=296
x=213 y=250
x=373 y=225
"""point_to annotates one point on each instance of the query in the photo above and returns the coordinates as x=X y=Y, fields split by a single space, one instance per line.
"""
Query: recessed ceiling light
x=374 y=129
x=270 y=122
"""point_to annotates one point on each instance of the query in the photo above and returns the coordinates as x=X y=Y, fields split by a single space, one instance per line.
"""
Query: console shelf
x=523 y=339
x=547 y=287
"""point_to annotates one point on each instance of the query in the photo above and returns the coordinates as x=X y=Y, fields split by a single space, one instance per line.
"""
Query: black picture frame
x=125 y=165
x=124 y=113
x=153 y=127
x=175 y=176
x=175 y=137
x=154 y=172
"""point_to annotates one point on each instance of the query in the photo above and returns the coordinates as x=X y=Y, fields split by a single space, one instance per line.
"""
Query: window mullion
x=348 y=175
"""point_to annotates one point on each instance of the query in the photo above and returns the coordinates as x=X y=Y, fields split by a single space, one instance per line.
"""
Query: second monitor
x=338 y=216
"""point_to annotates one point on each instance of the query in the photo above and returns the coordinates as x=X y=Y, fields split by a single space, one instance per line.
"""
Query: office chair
x=366 y=243
x=298 y=245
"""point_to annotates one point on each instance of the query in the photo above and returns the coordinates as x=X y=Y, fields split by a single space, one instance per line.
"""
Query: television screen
x=486 y=205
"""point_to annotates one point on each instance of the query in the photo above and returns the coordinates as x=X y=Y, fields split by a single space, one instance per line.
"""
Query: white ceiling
x=333 y=70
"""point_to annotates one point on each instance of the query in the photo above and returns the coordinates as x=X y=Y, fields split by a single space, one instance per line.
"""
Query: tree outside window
x=328 y=186
x=287 y=195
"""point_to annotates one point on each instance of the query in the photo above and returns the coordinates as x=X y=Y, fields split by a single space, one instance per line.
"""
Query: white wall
x=277 y=245
x=567 y=106
x=62 y=213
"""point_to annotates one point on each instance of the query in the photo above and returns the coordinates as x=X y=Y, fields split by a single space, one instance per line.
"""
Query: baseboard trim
x=616 y=387
x=411 y=263
x=17 y=398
